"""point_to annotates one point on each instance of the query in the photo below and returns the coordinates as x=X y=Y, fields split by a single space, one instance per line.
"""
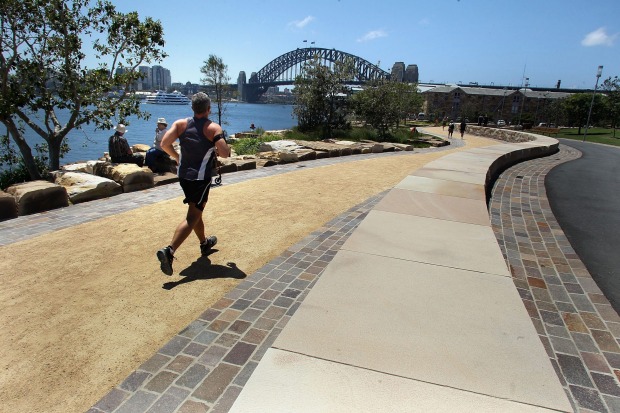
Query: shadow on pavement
x=201 y=269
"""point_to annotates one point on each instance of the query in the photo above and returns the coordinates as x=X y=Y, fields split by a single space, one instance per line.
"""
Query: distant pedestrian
x=119 y=149
x=443 y=124
x=462 y=128
x=202 y=141
x=450 y=129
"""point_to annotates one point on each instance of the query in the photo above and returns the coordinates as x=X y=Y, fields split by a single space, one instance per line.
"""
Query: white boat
x=163 y=98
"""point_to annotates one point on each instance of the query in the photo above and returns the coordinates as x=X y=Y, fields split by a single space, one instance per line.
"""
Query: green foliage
x=611 y=88
x=249 y=146
x=320 y=97
x=12 y=167
x=384 y=104
x=577 y=107
x=216 y=74
x=605 y=136
x=43 y=47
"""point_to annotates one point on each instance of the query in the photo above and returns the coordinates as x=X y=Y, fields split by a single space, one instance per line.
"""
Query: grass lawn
x=598 y=135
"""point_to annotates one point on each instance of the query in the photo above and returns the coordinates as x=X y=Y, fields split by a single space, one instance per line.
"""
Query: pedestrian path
x=29 y=226
x=575 y=322
x=232 y=358
x=247 y=354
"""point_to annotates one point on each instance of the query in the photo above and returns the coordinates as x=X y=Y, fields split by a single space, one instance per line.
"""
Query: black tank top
x=197 y=152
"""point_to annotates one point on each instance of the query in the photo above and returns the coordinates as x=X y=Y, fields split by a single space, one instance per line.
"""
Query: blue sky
x=484 y=41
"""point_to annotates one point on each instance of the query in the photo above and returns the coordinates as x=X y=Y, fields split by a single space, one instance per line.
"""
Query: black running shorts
x=196 y=192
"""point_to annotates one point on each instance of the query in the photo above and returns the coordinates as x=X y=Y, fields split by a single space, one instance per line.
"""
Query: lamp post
x=599 y=72
x=527 y=83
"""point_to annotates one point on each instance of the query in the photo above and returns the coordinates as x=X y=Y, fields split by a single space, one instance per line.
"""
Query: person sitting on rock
x=156 y=159
x=119 y=149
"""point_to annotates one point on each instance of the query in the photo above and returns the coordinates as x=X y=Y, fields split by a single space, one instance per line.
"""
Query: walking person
x=201 y=141
x=450 y=129
x=462 y=128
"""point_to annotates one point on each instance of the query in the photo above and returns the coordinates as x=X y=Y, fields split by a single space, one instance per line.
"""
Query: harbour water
x=88 y=144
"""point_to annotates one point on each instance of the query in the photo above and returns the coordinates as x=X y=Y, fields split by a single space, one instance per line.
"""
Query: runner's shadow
x=202 y=269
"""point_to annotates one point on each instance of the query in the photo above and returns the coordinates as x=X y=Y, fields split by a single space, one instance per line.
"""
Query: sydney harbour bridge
x=285 y=68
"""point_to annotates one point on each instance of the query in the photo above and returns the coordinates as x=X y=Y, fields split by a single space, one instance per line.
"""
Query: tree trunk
x=25 y=150
x=54 y=154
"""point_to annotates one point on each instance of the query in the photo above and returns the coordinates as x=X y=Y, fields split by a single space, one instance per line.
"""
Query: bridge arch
x=283 y=70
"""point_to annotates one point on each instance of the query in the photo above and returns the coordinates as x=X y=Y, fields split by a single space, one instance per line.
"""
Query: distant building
x=398 y=71
x=147 y=81
x=455 y=101
x=161 y=79
x=400 y=74
x=411 y=74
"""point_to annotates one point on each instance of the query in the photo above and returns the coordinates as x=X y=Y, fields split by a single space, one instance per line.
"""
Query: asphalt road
x=585 y=198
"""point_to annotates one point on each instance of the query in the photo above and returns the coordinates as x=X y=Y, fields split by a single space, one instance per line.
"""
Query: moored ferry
x=163 y=98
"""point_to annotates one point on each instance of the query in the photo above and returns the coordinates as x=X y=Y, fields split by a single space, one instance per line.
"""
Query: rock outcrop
x=83 y=187
x=8 y=206
x=38 y=196
x=131 y=177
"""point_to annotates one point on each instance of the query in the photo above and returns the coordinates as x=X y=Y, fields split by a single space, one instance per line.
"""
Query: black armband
x=218 y=137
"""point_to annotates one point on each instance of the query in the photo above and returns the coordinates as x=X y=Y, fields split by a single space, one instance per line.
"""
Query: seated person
x=156 y=159
x=119 y=149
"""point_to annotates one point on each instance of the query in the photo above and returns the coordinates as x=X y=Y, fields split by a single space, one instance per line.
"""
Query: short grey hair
x=201 y=102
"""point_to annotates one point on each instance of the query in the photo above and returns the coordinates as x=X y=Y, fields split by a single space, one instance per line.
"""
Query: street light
x=599 y=72
x=527 y=83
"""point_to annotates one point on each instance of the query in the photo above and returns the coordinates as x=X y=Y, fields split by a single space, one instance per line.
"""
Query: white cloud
x=372 y=35
x=300 y=24
x=599 y=37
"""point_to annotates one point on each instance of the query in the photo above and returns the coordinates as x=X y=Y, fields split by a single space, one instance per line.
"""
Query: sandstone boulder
x=305 y=154
x=264 y=163
x=8 y=206
x=403 y=147
x=279 y=157
x=165 y=178
x=278 y=146
x=86 y=167
x=330 y=148
x=38 y=196
x=131 y=177
x=140 y=147
x=83 y=187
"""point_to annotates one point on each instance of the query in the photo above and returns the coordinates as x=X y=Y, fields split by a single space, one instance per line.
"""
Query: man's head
x=121 y=129
x=201 y=103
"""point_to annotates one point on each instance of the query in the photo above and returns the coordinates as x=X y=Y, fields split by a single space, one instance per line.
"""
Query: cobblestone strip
x=575 y=322
x=205 y=366
x=29 y=226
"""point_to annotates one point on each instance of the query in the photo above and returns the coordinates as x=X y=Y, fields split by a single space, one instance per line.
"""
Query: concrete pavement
x=411 y=301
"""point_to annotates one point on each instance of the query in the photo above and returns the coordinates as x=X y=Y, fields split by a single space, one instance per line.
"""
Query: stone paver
x=205 y=366
x=575 y=322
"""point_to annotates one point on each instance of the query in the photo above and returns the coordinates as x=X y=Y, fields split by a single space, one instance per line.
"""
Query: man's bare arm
x=169 y=137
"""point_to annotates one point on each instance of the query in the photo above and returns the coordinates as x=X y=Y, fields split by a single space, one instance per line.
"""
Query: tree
x=577 y=107
x=216 y=75
x=42 y=68
x=384 y=103
x=612 y=88
x=321 y=96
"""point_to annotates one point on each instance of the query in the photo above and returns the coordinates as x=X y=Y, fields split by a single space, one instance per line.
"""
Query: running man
x=201 y=141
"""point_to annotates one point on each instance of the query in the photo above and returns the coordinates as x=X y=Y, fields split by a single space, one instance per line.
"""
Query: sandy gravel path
x=82 y=307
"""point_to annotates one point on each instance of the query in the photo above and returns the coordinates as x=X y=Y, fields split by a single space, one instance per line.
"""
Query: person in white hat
x=160 y=131
x=156 y=158
x=119 y=149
